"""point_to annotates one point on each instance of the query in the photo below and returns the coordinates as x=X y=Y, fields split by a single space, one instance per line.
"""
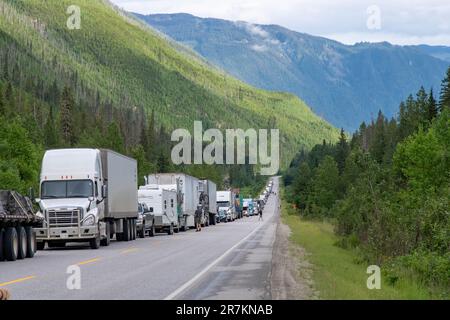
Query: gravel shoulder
x=291 y=276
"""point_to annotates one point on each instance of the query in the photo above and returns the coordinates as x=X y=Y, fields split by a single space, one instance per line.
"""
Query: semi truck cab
x=72 y=194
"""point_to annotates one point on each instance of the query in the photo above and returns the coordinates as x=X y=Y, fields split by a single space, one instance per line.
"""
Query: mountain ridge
x=343 y=84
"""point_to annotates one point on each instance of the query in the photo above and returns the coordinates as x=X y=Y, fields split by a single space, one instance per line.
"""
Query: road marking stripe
x=88 y=261
x=211 y=265
x=129 y=250
x=16 y=281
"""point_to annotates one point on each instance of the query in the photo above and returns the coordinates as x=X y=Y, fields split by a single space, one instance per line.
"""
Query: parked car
x=144 y=222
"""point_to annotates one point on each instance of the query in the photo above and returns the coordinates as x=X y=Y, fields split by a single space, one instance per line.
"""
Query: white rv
x=162 y=204
x=187 y=189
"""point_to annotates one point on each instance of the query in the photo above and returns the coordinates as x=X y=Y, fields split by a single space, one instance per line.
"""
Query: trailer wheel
x=133 y=229
x=105 y=242
x=11 y=244
x=177 y=229
x=126 y=230
x=23 y=244
x=31 y=242
x=40 y=246
x=2 y=234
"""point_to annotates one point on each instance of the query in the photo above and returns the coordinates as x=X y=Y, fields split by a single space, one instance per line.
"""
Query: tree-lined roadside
x=339 y=273
x=386 y=192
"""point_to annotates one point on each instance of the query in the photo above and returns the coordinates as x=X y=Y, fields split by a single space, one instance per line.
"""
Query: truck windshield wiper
x=50 y=197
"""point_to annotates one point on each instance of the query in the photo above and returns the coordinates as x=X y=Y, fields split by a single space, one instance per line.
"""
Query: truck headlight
x=89 y=221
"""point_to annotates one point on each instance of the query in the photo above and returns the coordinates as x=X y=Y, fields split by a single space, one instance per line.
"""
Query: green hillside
x=132 y=66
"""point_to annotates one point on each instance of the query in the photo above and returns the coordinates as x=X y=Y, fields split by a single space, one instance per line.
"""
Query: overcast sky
x=348 y=21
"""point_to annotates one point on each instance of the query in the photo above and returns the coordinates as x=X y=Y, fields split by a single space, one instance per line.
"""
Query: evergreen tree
x=67 y=116
x=378 y=146
x=50 y=131
x=444 y=101
x=114 y=138
x=149 y=150
x=342 y=151
x=432 y=111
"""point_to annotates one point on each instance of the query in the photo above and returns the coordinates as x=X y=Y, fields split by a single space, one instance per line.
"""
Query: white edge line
x=212 y=264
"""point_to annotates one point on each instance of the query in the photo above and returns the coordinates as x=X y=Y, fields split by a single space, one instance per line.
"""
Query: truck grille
x=67 y=218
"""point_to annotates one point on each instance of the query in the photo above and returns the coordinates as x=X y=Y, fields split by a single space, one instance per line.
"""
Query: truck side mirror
x=104 y=191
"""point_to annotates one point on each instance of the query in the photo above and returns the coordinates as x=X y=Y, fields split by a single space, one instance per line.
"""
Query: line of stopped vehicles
x=92 y=196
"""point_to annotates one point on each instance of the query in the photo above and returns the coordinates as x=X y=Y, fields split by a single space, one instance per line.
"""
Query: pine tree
x=114 y=138
x=151 y=139
x=342 y=151
x=432 y=111
x=444 y=101
x=50 y=131
x=66 y=116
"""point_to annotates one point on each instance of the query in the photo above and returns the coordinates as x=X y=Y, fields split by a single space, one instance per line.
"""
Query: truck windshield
x=67 y=189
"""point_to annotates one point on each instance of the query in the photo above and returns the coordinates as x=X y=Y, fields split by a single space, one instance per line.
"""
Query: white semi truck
x=225 y=203
x=162 y=204
x=187 y=188
x=207 y=198
x=87 y=195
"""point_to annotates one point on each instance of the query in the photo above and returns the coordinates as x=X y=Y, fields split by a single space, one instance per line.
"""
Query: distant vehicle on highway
x=87 y=195
x=225 y=201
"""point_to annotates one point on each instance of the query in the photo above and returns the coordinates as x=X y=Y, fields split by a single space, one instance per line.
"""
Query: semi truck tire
x=105 y=242
x=126 y=230
x=95 y=243
x=11 y=244
x=133 y=228
x=31 y=242
x=2 y=234
x=23 y=244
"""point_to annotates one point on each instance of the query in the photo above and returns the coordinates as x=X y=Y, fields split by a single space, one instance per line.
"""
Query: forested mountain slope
x=120 y=70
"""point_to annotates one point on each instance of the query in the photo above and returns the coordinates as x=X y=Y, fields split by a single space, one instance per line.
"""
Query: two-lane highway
x=226 y=261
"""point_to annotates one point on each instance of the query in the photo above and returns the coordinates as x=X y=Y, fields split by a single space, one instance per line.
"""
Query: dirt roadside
x=291 y=276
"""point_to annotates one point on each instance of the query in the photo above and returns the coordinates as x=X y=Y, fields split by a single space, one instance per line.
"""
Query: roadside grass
x=339 y=273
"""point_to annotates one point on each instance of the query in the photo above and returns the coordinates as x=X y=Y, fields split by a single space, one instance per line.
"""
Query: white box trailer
x=208 y=192
x=87 y=195
x=187 y=188
x=162 y=204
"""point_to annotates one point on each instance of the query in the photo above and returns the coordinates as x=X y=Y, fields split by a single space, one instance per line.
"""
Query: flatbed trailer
x=17 y=222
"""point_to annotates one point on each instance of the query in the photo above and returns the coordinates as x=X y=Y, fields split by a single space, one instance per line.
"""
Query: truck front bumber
x=66 y=233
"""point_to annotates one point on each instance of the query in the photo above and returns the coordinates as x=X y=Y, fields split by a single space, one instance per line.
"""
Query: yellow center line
x=87 y=261
x=129 y=250
x=16 y=281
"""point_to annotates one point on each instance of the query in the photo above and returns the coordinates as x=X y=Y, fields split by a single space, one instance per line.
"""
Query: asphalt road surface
x=226 y=261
